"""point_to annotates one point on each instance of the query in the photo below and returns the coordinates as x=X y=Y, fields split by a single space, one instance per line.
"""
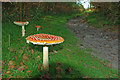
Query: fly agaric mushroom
x=37 y=27
x=22 y=24
x=44 y=39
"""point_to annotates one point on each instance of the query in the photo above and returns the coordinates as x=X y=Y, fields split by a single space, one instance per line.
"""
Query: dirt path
x=104 y=44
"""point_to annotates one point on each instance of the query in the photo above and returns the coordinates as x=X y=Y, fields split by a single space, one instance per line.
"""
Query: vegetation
x=103 y=15
x=66 y=60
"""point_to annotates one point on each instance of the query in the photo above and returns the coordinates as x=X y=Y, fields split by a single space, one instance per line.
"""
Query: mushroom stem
x=45 y=57
x=37 y=29
x=23 y=31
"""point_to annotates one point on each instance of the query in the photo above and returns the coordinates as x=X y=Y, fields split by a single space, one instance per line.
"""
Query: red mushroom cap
x=21 y=23
x=38 y=26
x=44 y=39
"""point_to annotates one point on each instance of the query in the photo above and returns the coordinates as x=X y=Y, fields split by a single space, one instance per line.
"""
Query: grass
x=100 y=20
x=66 y=60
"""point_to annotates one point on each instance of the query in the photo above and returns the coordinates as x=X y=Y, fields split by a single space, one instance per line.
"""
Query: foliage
x=16 y=11
x=66 y=60
x=110 y=9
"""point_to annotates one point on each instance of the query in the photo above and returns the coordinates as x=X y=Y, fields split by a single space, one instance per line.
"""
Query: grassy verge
x=100 y=20
x=66 y=60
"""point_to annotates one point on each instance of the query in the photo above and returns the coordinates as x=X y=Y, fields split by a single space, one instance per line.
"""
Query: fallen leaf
x=32 y=51
x=0 y=61
x=109 y=65
x=45 y=76
x=26 y=67
x=63 y=54
x=68 y=50
x=28 y=55
x=15 y=58
x=57 y=68
x=115 y=75
x=86 y=77
x=58 y=63
x=11 y=50
x=27 y=48
x=85 y=64
x=17 y=76
x=11 y=64
x=21 y=63
x=9 y=77
x=68 y=55
x=38 y=57
x=101 y=61
x=39 y=66
x=21 y=68
x=25 y=57
x=28 y=71
x=54 y=51
x=8 y=72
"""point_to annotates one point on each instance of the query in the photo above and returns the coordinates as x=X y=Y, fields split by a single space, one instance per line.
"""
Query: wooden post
x=45 y=57
x=23 y=31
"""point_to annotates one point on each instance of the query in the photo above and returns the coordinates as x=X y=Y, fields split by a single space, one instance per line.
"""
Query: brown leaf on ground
x=21 y=63
x=28 y=55
x=57 y=68
x=58 y=76
x=21 y=68
x=8 y=72
x=116 y=75
x=25 y=57
x=11 y=50
x=85 y=64
x=109 y=65
x=38 y=57
x=28 y=71
x=15 y=58
x=63 y=54
x=26 y=67
x=11 y=64
x=32 y=51
x=101 y=61
x=54 y=51
x=39 y=66
x=27 y=48
x=86 y=77
x=9 y=78
x=68 y=55
x=68 y=50
x=45 y=76
x=17 y=77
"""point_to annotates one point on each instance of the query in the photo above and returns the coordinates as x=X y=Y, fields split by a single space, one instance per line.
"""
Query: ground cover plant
x=66 y=60
x=104 y=15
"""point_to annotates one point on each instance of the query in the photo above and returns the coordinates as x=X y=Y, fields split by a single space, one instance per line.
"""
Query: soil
x=104 y=44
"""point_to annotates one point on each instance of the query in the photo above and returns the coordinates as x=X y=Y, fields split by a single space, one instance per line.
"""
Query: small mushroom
x=37 y=27
x=21 y=24
x=44 y=39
